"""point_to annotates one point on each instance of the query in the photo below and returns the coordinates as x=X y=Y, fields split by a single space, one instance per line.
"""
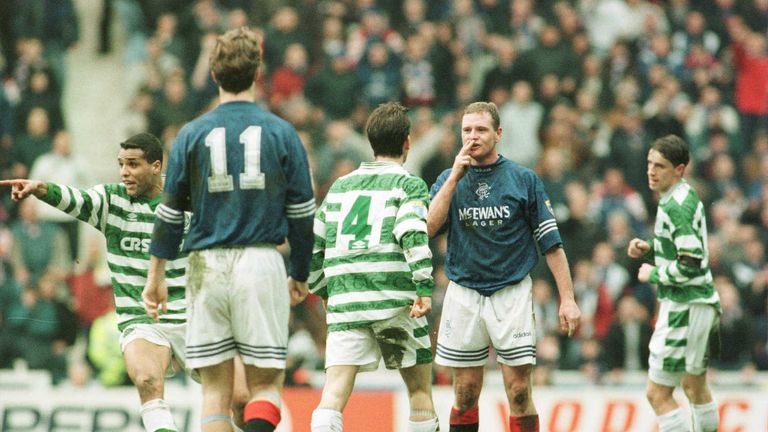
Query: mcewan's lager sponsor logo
x=484 y=216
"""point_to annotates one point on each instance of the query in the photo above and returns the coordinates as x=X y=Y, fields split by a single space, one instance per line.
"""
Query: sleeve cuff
x=654 y=277
x=425 y=289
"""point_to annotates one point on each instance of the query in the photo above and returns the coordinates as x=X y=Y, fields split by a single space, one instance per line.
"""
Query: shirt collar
x=668 y=194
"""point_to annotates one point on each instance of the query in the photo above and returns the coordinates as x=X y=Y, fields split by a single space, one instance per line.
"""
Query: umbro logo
x=132 y=217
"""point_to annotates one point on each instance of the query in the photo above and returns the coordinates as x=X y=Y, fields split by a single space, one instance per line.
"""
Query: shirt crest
x=483 y=191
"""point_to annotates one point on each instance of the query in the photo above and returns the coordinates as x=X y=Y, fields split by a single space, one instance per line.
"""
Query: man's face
x=662 y=175
x=138 y=175
x=477 y=132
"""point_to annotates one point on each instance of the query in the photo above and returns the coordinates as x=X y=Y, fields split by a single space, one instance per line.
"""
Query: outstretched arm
x=22 y=188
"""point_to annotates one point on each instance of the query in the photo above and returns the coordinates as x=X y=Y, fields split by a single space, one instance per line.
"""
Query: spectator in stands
x=709 y=115
x=104 y=350
x=414 y=16
x=30 y=57
x=550 y=56
x=426 y=137
x=41 y=93
x=54 y=24
x=756 y=16
x=282 y=31
x=579 y=230
x=172 y=109
x=629 y=144
x=545 y=308
x=625 y=346
x=695 y=33
x=442 y=158
x=9 y=295
x=332 y=43
x=608 y=274
x=523 y=115
x=746 y=271
x=524 y=24
x=32 y=143
x=61 y=165
x=373 y=27
x=288 y=79
x=340 y=155
x=41 y=331
x=555 y=174
x=594 y=300
x=40 y=248
x=91 y=287
x=751 y=81
x=167 y=38
x=336 y=78
x=737 y=330
x=548 y=359
x=506 y=69
x=607 y=22
x=658 y=109
x=613 y=193
x=7 y=130
x=418 y=75
x=442 y=56
x=155 y=67
x=379 y=74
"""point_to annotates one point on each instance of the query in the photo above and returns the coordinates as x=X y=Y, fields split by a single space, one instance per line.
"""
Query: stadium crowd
x=583 y=88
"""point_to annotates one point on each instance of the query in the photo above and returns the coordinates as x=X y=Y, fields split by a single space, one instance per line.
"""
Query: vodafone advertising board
x=589 y=409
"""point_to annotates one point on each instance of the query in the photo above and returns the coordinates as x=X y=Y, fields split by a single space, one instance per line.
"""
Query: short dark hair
x=387 y=129
x=673 y=148
x=235 y=59
x=148 y=143
x=485 y=107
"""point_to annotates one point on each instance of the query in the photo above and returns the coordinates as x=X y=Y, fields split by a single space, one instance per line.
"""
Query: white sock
x=672 y=421
x=156 y=414
x=430 y=425
x=326 y=420
x=705 y=417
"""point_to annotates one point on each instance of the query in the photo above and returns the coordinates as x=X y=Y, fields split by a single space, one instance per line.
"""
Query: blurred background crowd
x=583 y=87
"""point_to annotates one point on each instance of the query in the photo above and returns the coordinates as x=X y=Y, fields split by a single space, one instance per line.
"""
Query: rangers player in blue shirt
x=244 y=174
x=498 y=217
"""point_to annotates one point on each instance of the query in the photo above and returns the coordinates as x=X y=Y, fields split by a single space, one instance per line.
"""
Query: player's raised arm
x=441 y=202
x=22 y=188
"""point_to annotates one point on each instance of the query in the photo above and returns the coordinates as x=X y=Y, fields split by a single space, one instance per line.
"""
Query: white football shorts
x=681 y=340
x=238 y=303
x=471 y=323
x=401 y=341
x=168 y=335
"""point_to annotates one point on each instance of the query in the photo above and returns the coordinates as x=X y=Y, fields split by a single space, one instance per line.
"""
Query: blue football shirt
x=499 y=218
x=244 y=174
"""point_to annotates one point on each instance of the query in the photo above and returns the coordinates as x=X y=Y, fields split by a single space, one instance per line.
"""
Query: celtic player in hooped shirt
x=124 y=213
x=689 y=306
x=372 y=263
